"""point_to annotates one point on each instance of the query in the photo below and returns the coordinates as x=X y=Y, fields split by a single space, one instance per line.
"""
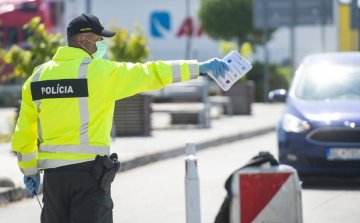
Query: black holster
x=105 y=169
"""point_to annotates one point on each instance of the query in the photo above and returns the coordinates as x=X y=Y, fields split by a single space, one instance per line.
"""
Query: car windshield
x=329 y=81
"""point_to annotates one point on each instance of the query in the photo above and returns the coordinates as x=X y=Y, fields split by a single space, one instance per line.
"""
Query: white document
x=238 y=65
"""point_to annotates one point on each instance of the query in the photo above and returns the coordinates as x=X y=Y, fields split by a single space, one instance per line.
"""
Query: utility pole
x=88 y=6
x=292 y=37
x=323 y=45
x=188 y=30
x=266 y=54
x=323 y=22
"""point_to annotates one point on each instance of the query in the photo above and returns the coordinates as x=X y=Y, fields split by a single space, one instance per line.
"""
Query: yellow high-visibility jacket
x=68 y=104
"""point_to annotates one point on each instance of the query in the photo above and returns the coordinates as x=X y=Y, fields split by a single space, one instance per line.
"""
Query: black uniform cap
x=88 y=23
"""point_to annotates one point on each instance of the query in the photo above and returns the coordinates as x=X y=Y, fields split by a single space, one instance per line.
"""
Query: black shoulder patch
x=66 y=88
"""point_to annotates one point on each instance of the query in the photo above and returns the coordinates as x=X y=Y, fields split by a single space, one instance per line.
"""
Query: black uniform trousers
x=71 y=195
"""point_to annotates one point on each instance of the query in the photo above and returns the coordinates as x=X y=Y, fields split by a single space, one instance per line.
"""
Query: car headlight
x=294 y=124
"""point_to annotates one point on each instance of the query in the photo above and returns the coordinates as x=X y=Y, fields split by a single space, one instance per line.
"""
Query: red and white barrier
x=192 y=187
x=266 y=195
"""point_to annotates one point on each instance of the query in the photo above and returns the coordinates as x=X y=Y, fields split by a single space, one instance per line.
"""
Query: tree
x=125 y=47
x=43 y=47
x=228 y=19
x=246 y=49
x=279 y=77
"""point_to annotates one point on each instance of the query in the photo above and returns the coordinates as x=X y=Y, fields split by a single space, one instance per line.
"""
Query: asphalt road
x=155 y=193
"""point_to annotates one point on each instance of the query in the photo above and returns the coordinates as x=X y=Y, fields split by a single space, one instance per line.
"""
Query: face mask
x=101 y=49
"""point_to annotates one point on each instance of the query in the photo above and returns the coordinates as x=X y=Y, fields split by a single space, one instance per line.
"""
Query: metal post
x=88 y=6
x=188 y=30
x=323 y=45
x=323 y=23
x=292 y=38
x=266 y=55
x=192 y=187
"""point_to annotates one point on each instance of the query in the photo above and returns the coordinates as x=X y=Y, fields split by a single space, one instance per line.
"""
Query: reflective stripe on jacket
x=68 y=104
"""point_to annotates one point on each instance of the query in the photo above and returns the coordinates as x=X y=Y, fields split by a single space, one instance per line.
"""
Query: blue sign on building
x=160 y=23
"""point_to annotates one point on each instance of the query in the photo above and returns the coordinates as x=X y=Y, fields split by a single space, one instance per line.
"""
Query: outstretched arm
x=126 y=79
x=215 y=66
x=122 y=80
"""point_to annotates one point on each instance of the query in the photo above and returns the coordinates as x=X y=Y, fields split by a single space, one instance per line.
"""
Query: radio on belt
x=105 y=169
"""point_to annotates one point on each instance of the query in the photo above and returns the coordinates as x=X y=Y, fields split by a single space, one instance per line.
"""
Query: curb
x=144 y=160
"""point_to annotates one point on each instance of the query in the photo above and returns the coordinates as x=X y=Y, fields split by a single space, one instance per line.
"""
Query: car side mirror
x=278 y=95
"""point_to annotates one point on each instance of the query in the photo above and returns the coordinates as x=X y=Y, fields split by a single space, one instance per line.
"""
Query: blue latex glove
x=215 y=65
x=32 y=183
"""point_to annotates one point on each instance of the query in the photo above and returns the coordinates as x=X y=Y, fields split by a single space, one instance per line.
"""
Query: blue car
x=319 y=132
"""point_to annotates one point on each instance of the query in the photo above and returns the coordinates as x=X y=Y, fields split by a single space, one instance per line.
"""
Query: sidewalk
x=165 y=143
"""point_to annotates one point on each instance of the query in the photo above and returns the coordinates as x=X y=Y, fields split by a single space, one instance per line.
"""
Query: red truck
x=14 y=14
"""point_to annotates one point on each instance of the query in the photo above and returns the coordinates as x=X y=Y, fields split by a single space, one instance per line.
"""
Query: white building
x=163 y=20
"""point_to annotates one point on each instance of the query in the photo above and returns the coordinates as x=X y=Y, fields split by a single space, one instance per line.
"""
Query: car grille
x=324 y=163
x=337 y=163
x=335 y=135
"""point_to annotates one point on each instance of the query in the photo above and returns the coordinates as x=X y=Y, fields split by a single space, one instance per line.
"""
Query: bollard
x=192 y=188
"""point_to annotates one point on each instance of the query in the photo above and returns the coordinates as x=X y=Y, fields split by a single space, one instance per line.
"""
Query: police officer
x=66 y=117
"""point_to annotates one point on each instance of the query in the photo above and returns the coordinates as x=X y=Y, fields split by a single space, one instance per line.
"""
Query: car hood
x=327 y=111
